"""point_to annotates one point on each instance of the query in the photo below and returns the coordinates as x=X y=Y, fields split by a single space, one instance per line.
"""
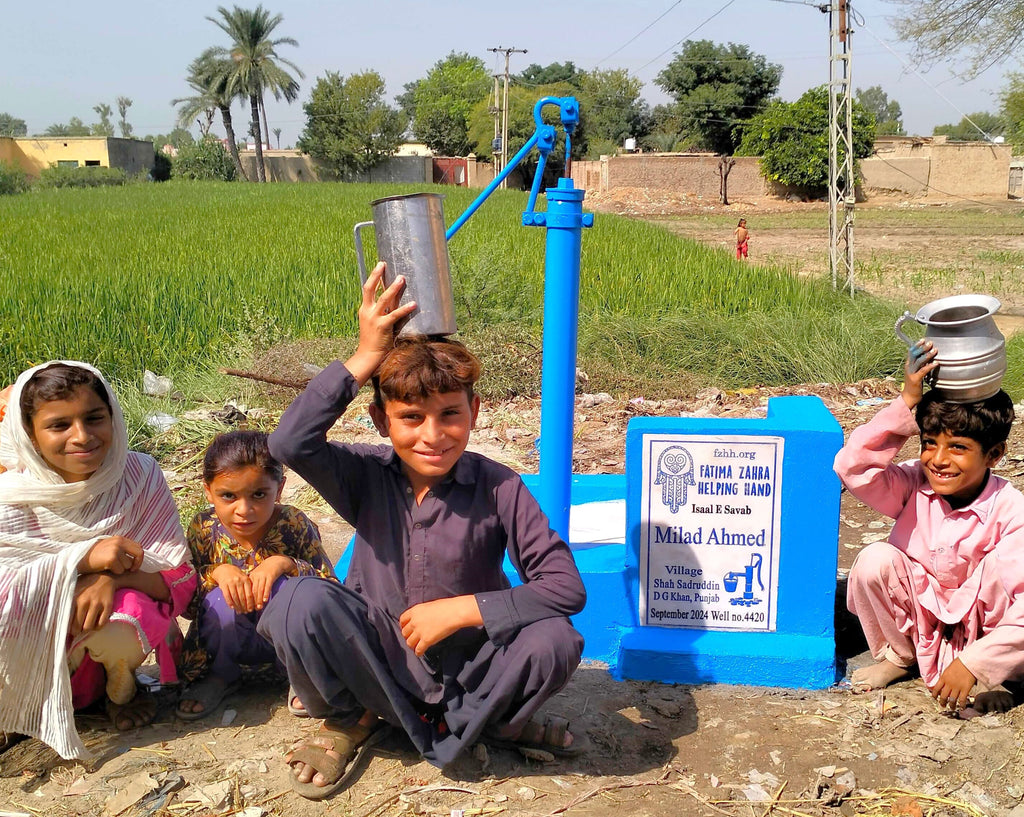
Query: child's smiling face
x=245 y=500
x=428 y=435
x=73 y=435
x=956 y=466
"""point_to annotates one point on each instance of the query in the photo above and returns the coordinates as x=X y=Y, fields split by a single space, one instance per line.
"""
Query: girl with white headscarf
x=94 y=568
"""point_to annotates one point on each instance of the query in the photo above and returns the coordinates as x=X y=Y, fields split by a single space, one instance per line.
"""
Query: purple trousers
x=337 y=666
x=230 y=638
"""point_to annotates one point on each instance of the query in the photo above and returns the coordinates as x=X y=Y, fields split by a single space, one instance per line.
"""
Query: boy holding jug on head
x=946 y=591
x=426 y=634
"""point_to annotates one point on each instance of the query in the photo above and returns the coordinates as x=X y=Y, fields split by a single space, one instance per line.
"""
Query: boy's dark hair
x=420 y=366
x=236 y=450
x=57 y=382
x=741 y=222
x=988 y=421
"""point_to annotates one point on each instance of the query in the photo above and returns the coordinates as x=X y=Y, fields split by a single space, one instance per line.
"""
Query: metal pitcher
x=970 y=350
x=411 y=241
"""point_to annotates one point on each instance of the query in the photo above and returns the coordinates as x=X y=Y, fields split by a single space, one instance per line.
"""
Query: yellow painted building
x=35 y=153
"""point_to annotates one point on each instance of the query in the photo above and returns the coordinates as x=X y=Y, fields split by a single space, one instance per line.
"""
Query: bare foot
x=139 y=711
x=878 y=676
x=992 y=699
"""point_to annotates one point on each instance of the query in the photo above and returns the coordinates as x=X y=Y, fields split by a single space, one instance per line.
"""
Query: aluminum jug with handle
x=411 y=240
x=970 y=349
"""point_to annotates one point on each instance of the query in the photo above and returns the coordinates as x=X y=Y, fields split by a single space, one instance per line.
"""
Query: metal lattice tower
x=841 y=192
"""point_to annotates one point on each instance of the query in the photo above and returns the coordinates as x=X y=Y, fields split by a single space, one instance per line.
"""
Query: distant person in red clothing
x=742 y=237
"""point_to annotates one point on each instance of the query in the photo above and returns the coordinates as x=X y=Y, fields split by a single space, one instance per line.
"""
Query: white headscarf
x=46 y=527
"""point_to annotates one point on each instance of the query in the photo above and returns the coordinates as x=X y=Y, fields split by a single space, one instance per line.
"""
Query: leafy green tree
x=123 y=104
x=792 y=140
x=611 y=108
x=104 y=127
x=349 y=126
x=12 y=126
x=987 y=31
x=206 y=160
x=74 y=127
x=521 y=127
x=177 y=138
x=442 y=102
x=256 y=67
x=975 y=127
x=211 y=78
x=535 y=75
x=717 y=88
x=887 y=112
x=1011 y=100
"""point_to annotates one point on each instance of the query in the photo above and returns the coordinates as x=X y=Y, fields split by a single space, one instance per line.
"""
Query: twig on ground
x=275 y=381
x=775 y=800
x=628 y=784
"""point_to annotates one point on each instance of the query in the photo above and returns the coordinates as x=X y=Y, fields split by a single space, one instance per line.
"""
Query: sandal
x=547 y=735
x=297 y=711
x=210 y=692
x=138 y=712
x=351 y=742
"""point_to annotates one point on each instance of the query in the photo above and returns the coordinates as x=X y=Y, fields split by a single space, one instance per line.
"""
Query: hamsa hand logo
x=674 y=473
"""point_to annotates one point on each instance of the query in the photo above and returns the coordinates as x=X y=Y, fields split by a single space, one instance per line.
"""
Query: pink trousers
x=883 y=594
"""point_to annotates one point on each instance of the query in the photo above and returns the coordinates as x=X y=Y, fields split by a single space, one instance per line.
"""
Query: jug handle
x=363 y=274
x=906 y=316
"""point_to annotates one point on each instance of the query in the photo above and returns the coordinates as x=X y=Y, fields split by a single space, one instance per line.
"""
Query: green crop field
x=183 y=277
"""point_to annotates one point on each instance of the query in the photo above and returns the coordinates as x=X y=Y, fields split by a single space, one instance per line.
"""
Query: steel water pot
x=411 y=241
x=970 y=350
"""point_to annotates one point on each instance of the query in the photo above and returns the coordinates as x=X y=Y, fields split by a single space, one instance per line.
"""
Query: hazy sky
x=61 y=59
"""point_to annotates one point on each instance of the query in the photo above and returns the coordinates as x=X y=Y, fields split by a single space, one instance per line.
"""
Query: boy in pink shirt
x=946 y=592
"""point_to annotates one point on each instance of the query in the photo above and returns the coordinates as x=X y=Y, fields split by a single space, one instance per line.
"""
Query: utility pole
x=842 y=195
x=495 y=111
x=508 y=52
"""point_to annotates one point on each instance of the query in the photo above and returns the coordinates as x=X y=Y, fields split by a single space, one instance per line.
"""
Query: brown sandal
x=351 y=742
x=547 y=735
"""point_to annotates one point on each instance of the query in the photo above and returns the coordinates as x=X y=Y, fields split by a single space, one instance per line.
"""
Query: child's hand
x=920 y=363
x=424 y=625
x=377 y=319
x=953 y=686
x=116 y=554
x=94 y=602
x=236 y=587
x=265 y=574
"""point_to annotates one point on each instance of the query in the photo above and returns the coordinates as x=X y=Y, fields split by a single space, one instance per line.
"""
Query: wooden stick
x=291 y=384
x=609 y=787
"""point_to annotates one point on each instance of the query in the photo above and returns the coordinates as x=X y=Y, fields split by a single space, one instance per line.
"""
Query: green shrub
x=206 y=160
x=162 y=167
x=54 y=176
x=12 y=179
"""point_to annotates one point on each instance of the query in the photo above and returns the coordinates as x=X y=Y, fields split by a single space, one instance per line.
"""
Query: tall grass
x=179 y=276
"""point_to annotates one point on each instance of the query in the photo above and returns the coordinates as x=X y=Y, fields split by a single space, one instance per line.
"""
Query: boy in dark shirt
x=426 y=633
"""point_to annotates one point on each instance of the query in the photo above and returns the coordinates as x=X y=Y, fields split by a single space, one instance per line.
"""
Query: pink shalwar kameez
x=949 y=583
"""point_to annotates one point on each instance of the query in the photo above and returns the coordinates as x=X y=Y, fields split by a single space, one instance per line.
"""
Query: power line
x=690 y=34
x=645 y=28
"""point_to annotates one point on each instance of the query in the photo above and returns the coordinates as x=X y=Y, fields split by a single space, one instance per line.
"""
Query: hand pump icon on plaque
x=731 y=582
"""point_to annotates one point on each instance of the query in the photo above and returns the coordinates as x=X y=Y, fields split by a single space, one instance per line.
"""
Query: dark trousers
x=335 y=660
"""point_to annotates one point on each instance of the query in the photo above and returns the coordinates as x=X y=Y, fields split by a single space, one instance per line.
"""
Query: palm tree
x=210 y=77
x=256 y=65
x=277 y=135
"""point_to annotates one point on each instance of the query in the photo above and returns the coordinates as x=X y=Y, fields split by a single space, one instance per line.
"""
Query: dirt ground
x=655 y=749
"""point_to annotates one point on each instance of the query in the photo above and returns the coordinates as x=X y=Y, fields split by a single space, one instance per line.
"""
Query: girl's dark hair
x=57 y=382
x=236 y=450
x=988 y=421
